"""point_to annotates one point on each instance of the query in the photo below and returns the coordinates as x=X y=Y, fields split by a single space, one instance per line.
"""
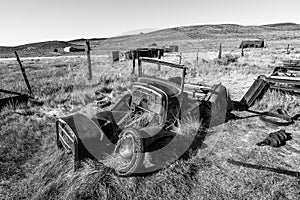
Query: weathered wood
x=116 y=56
x=220 y=51
x=88 y=54
x=133 y=62
x=197 y=59
x=159 y=57
x=24 y=74
x=183 y=80
x=139 y=64
x=180 y=58
x=242 y=53
x=11 y=92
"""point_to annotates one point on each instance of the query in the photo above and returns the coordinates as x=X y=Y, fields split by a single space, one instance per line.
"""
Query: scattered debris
x=276 y=139
x=282 y=78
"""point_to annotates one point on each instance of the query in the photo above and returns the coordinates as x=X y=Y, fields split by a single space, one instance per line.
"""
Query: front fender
x=85 y=137
x=151 y=135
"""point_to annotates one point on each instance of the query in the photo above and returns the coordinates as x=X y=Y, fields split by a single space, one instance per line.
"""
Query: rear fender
x=213 y=109
x=218 y=100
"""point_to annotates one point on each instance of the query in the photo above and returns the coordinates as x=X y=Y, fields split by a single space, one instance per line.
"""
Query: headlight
x=126 y=148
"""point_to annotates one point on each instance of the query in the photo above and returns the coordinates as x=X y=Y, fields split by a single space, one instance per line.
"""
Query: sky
x=27 y=21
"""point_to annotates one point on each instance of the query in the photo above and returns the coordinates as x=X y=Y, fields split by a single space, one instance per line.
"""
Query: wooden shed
x=252 y=44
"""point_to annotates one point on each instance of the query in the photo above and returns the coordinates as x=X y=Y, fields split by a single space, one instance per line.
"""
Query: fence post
x=220 y=51
x=242 y=54
x=180 y=58
x=88 y=54
x=159 y=57
x=288 y=49
x=24 y=74
x=197 y=60
x=133 y=55
x=139 y=64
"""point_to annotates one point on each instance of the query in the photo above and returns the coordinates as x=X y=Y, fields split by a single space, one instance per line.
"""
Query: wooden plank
x=24 y=74
x=11 y=92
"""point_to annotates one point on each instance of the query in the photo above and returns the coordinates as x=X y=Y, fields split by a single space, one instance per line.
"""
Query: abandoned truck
x=143 y=121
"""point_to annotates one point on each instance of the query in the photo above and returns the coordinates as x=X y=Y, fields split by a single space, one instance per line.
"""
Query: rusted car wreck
x=143 y=121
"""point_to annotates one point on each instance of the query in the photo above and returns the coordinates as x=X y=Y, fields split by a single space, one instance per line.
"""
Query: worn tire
x=137 y=157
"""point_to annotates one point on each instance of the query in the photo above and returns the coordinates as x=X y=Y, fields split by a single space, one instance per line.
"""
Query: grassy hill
x=189 y=39
x=203 y=37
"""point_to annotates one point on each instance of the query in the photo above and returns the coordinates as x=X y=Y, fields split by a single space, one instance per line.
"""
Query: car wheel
x=130 y=150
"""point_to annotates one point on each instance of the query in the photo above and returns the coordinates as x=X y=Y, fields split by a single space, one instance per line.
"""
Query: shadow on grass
x=260 y=167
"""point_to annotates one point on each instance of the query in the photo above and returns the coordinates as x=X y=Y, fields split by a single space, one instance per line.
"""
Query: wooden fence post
x=159 y=57
x=133 y=61
x=242 y=54
x=88 y=54
x=180 y=58
x=139 y=64
x=220 y=51
x=24 y=74
x=197 y=60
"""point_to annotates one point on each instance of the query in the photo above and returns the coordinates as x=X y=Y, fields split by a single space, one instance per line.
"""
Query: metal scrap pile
x=283 y=78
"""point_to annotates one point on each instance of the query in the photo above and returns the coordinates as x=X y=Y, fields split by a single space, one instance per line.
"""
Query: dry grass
x=228 y=165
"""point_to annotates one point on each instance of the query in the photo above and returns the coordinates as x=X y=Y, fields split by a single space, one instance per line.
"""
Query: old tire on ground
x=130 y=147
